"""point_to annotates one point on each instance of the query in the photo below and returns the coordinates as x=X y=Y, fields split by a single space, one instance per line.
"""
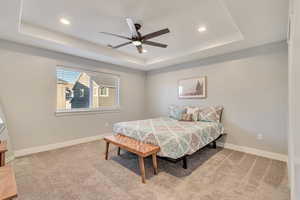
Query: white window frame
x=103 y=109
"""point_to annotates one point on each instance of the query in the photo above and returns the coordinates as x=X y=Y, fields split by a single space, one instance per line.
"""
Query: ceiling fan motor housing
x=138 y=26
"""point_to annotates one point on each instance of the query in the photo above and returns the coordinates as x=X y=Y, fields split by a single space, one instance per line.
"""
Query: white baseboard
x=266 y=154
x=28 y=151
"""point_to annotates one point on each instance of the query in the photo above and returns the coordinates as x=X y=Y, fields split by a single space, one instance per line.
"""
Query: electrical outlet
x=259 y=137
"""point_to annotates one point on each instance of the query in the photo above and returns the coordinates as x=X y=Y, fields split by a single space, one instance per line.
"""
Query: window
x=104 y=92
x=79 y=90
x=81 y=93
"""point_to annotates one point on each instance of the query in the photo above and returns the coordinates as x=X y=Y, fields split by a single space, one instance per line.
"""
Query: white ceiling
x=231 y=25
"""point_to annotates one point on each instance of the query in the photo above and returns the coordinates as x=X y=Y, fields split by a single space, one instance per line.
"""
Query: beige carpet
x=80 y=172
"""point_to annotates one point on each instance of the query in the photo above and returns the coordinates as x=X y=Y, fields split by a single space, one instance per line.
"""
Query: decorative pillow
x=176 y=112
x=211 y=113
x=194 y=111
x=186 y=117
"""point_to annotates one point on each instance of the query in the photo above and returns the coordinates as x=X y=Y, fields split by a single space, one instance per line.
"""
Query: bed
x=176 y=139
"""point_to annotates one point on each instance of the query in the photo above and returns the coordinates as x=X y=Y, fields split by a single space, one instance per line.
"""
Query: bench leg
x=154 y=163
x=119 y=151
x=106 y=150
x=142 y=169
x=2 y=159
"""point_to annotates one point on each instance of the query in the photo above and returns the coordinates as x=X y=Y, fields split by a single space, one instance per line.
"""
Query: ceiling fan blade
x=155 y=34
x=140 y=48
x=116 y=35
x=121 y=45
x=156 y=44
x=132 y=27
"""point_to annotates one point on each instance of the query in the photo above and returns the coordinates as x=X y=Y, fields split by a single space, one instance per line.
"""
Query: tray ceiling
x=230 y=25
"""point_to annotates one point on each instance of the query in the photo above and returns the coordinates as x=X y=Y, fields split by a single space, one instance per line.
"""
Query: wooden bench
x=8 y=187
x=141 y=149
x=3 y=150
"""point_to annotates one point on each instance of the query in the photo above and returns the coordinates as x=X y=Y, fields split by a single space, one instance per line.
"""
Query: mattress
x=175 y=138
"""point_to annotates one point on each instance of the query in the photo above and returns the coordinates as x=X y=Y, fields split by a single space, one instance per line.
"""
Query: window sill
x=86 y=111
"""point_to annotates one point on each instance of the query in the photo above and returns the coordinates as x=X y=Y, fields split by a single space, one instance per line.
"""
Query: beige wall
x=252 y=87
x=30 y=97
x=294 y=100
x=5 y=135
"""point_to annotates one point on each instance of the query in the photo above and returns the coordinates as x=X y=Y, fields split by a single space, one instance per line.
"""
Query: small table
x=8 y=187
x=141 y=149
x=3 y=150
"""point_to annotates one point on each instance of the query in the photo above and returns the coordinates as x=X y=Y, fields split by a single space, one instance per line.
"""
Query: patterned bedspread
x=175 y=138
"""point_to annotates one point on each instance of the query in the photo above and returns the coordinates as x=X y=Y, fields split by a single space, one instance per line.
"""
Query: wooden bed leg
x=184 y=163
x=119 y=151
x=106 y=150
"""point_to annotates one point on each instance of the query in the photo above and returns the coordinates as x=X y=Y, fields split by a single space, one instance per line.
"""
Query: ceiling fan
x=137 y=39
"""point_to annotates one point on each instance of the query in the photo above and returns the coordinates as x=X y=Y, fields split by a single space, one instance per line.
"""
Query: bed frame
x=213 y=144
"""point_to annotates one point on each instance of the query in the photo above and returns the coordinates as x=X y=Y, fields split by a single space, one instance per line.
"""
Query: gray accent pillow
x=211 y=114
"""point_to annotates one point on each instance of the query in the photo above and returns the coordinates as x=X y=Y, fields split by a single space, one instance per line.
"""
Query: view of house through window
x=86 y=90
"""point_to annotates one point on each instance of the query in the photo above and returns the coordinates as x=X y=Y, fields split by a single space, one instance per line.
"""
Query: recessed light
x=145 y=51
x=136 y=43
x=202 y=29
x=65 y=21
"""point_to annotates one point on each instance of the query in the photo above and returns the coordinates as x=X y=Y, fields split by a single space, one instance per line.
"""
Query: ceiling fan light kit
x=137 y=43
x=137 y=39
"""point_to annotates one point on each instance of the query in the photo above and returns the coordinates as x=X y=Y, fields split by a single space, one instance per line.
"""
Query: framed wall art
x=192 y=88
